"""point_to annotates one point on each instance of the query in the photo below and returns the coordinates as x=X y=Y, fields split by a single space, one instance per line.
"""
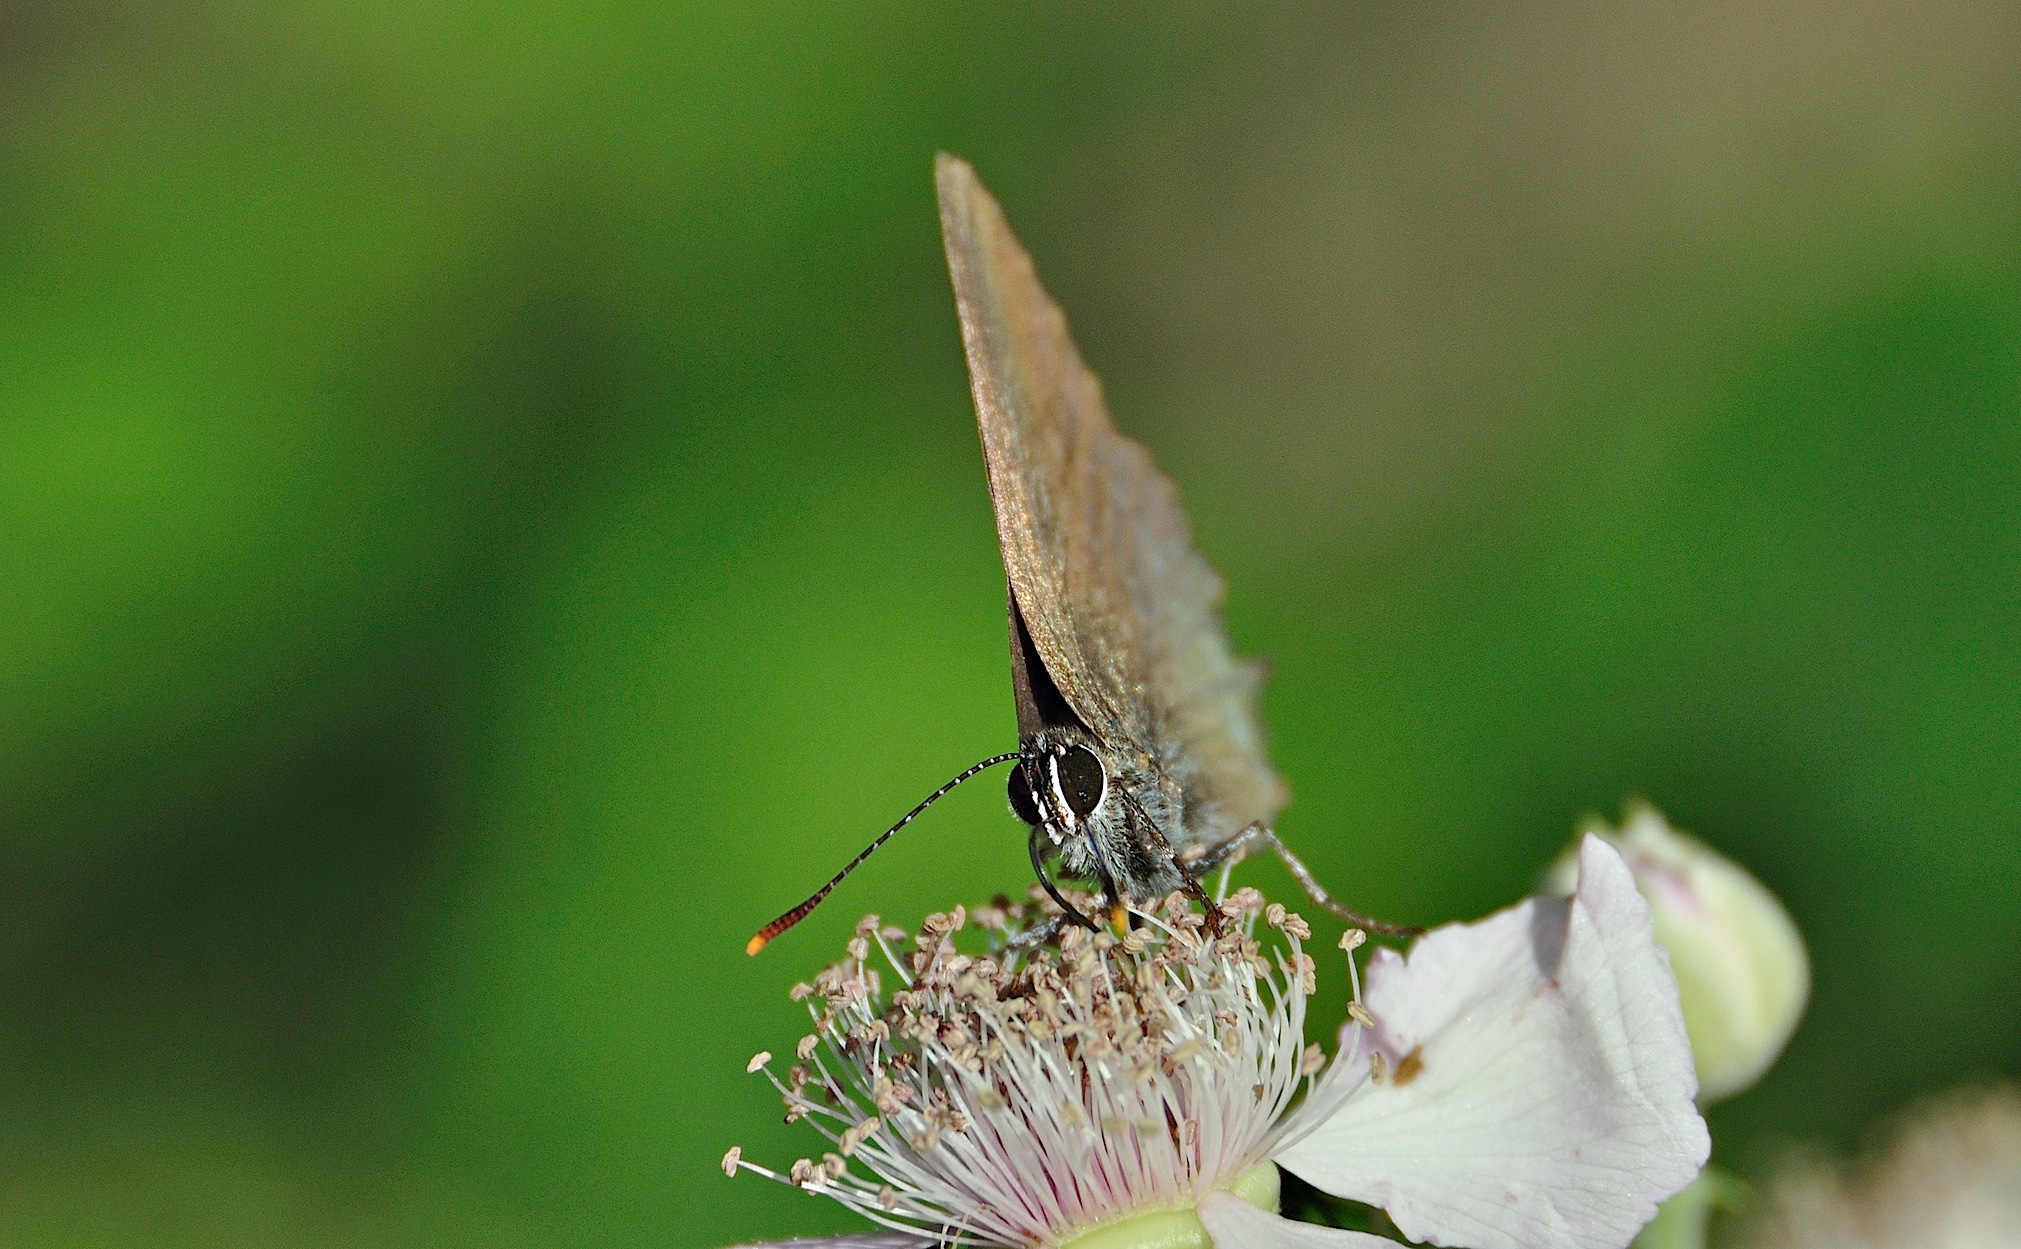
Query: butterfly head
x=1059 y=785
x=1103 y=816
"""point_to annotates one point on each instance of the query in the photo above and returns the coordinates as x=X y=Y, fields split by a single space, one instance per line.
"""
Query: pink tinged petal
x=1233 y=1223
x=1539 y=1089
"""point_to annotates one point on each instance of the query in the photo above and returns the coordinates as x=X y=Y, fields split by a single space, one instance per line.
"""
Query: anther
x=731 y=1159
x=857 y=1135
x=758 y=1060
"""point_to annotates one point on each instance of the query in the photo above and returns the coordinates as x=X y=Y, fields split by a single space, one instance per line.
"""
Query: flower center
x=1175 y=1229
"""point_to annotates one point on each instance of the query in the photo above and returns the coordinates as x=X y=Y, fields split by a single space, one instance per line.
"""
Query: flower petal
x=1539 y=1090
x=870 y=1239
x=1235 y=1224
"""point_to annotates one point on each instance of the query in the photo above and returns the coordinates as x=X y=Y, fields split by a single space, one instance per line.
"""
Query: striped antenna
x=764 y=935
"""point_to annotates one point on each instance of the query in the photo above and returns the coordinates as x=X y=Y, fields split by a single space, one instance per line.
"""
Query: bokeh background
x=490 y=512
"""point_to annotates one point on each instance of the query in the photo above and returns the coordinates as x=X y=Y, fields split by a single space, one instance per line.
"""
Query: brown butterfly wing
x=1124 y=613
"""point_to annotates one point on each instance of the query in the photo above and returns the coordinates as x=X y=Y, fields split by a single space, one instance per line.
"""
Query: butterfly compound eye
x=1021 y=802
x=1082 y=778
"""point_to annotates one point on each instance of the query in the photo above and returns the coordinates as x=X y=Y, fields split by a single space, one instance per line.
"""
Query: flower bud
x=1742 y=972
x=1947 y=1175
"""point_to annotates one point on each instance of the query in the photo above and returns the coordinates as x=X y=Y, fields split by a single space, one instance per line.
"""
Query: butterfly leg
x=1156 y=845
x=1259 y=836
x=1215 y=923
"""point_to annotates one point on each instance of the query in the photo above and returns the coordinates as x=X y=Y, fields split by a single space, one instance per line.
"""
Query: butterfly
x=1141 y=761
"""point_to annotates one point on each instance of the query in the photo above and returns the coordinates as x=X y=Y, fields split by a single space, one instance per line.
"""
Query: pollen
x=1408 y=1069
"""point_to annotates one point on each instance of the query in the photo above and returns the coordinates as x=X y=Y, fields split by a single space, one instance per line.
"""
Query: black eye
x=1021 y=802
x=1082 y=778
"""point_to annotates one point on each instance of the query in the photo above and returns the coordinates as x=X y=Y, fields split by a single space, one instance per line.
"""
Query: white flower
x=1742 y=971
x=1523 y=1081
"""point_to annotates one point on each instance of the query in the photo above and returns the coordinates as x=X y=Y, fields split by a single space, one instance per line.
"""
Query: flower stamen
x=1025 y=1094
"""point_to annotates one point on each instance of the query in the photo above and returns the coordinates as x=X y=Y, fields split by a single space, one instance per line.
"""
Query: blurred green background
x=492 y=513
